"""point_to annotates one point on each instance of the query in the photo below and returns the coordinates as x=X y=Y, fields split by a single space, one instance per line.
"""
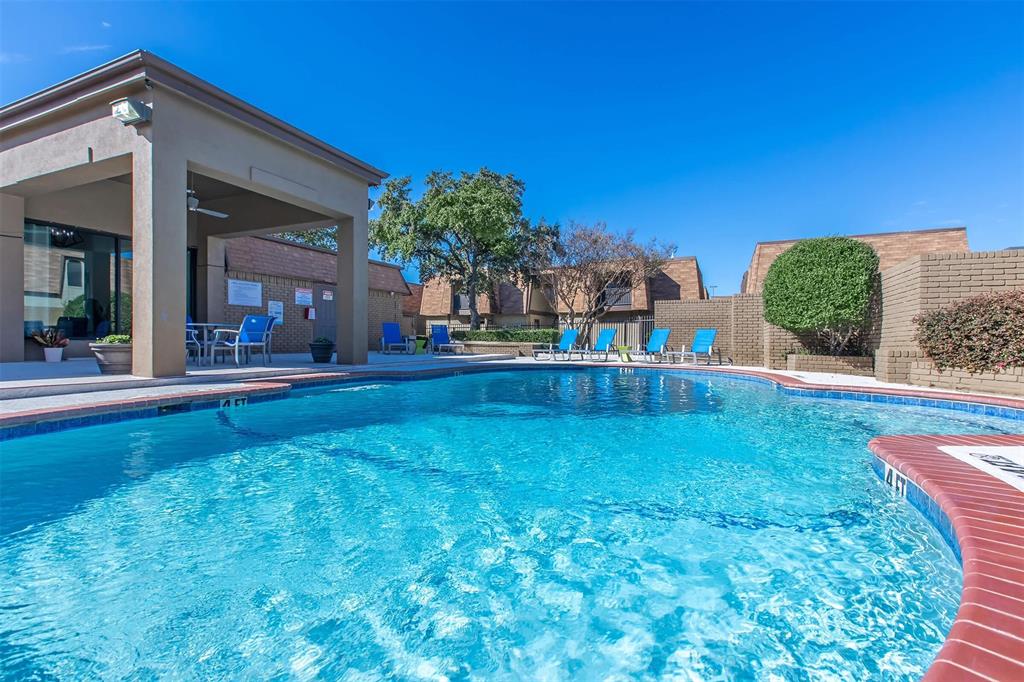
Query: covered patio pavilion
x=114 y=157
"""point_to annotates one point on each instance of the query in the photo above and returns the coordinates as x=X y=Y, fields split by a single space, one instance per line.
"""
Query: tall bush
x=524 y=335
x=979 y=334
x=823 y=288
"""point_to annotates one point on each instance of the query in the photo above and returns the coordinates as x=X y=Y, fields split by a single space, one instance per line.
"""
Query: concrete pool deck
x=981 y=516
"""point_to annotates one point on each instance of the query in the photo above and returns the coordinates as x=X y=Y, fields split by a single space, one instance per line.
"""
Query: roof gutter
x=142 y=66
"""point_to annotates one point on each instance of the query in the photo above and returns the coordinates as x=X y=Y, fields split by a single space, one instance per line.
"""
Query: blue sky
x=712 y=126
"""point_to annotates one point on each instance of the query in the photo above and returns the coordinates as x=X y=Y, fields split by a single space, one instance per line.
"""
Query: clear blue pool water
x=515 y=525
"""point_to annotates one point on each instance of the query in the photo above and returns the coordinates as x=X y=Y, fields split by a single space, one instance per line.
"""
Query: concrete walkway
x=21 y=380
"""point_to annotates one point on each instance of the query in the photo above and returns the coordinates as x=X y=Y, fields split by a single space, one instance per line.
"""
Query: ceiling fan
x=193 y=205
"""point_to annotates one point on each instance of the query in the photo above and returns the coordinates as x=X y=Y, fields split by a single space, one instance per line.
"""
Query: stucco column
x=210 y=279
x=12 y=278
x=353 y=290
x=159 y=242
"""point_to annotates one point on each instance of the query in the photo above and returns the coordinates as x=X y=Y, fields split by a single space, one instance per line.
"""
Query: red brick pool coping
x=140 y=403
x=986 y=641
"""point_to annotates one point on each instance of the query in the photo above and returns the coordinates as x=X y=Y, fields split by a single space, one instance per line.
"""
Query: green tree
x=467 y=230
x=824 y=288
x=589 y=269
x=321 y=237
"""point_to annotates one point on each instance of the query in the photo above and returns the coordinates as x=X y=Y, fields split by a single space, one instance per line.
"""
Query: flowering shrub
x=979 y=334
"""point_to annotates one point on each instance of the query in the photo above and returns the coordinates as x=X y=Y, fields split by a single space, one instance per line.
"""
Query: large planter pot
x=113 y=358
x=53 y=354
x=321 y=352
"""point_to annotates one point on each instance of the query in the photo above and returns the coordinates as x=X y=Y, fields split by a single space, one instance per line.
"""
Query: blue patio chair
x=657 y=346
x=393 y=339
x=566 y=346
x=255 y=332
x=439 y=340
x=603 y=345
x=703 y=346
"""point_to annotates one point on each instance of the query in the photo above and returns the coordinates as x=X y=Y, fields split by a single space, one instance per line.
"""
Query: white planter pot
x=53 y=354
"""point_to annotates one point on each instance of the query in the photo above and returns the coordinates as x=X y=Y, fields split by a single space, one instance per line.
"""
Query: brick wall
x=295 y=334
x=738 y=319
x=683 y=318
x=931 y=281
x=800 y=362
x=382 y=307
x=748 y=329
x=1009 y=382
x=892 y=248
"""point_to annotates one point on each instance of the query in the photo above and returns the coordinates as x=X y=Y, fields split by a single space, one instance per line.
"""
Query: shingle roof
x=411 y=303
x=275 y=256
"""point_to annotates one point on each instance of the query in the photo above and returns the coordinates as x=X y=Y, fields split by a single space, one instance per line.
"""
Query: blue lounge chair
x=439 y=340
x=567 y=346
x=657 y=346
x=603 y=346
x=703 y=346
x=255 y=332
x=393 y=339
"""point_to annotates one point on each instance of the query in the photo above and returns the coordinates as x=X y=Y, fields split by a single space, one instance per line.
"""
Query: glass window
x=124 y=286
x=70 y=280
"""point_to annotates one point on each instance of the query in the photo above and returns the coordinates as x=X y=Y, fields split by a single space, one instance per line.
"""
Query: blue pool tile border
x=926 y=506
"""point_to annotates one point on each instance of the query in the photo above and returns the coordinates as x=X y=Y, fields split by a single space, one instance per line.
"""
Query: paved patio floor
x=81 y=375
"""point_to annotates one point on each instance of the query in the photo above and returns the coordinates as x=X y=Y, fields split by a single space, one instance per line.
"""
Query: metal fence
x=632 y=332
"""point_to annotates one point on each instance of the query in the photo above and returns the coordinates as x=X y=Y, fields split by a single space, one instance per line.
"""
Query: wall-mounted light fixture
x=129 y=111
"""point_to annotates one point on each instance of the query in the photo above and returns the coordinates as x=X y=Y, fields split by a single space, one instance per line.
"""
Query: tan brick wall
x=891 y=247
x=1009 y=382
x=748 y=328
x=917 y=284
x=738 y=319
x=295 y=334
x=778 y=344
x=931 y=281
x=382 y=307
x=859 y=366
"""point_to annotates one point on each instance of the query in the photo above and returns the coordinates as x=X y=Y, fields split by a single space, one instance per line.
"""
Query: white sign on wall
x=328 y=294
x=241 y=292
x=303 y=296
x=276 y=309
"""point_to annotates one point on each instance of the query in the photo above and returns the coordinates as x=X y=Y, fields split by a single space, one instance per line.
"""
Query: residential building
x=412 y=321
x=891 y=247
x=525 y=305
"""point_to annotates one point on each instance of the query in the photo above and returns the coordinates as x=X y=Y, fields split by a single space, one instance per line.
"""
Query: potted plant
x=53 y=342
x=321 y=349
x=113 y=354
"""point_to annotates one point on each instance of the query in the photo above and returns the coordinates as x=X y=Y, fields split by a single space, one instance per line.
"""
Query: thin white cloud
x=71 y=49
x=105 y=24
x=13 y=58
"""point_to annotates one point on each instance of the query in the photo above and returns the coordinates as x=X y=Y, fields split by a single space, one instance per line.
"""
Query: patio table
x=206 y=342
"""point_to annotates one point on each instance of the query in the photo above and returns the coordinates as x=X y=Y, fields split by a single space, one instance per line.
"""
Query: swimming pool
x=544 y=524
